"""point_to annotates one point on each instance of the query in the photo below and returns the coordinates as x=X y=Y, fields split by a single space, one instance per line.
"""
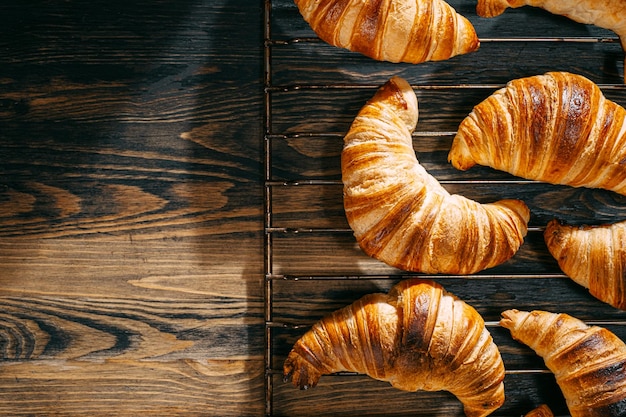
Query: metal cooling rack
x=270 y=184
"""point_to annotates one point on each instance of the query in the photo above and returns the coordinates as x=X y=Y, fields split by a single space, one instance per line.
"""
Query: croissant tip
x=474 y=44
x=399 y=84
x=508 y=317
x=288 y=370
x=552 y=232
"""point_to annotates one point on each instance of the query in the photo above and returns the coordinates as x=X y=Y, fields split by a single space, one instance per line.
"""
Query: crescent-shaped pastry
x=416 y=337
x=588 y=362
x=411 y=31
x=607 y=14
x=400 y=214
x=557 y=128
x=592 y=256
x=542 y=411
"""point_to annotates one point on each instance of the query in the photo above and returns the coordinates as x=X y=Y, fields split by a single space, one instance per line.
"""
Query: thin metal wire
x=292 y=277
x=288 y=88
x=506 y=372
x=267 y=147
x=572 y=39
x=322 y=230
x=334 y=135
x=488 y=324
x=301 y=182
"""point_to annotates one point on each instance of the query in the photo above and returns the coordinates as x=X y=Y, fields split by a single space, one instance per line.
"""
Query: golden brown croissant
x=400 y=214
x=607 y=14
x=589 y=363
x=410 y=31
x=593 y=256
x=416 y=337
x=557 y=128
x=541 y=411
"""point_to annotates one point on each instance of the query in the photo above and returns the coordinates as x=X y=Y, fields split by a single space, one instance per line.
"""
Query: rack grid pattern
x=272 y=183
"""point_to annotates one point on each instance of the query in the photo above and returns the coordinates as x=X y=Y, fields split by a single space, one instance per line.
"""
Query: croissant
x=589 y=363
x=593 y=256
x=411 y=31
x=402 y=215
x=608 y=14
x=557 y=128
x=542 y=411
x=416 y=337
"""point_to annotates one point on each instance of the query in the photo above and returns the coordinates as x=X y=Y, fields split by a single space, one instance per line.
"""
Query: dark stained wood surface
x=316 y=267
x=131 y=256
x=132 y=242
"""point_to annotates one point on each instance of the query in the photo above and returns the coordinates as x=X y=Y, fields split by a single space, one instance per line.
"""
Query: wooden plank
x=317 y=62
x=350 y=395
x=117 y=329
x=169 y=268
x=321 y=206
x=127 y=387
x=131 y=161
x=305 y=301
x=323 y=111
x=68 y=38
x=148 y=209
x=314 y=254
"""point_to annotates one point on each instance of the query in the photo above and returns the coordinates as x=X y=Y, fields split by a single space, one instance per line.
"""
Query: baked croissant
x=400 y=214
x=411 y=31
x=607 y=14
x=416 y=337
x=541 y=411
x=589 y=363
x=592 y=256
x=557 y=128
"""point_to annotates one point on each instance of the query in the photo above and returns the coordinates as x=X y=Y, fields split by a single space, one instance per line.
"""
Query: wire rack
x=297 y=228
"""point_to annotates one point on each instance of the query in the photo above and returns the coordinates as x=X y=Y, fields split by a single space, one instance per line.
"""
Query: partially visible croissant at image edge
x=411 y=31
x=416 y=337
x=400 y=214
x=592 y=256
x=607 y=14
x=588 y=362
x=542 y=411
x=556 y=128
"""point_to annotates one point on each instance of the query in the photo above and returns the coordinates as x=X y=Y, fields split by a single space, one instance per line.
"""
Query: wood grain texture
x=361 y=395
x=131 y=204
x=131 y=162
x=130 y=388
x=316 y=91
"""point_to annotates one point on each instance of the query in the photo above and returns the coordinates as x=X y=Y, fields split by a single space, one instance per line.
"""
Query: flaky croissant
x=542 y=411
x=400 y=214
x=557 y=128
x=416 y=337
x=411 y=31
x=607 y=14
x=592 y=256
x=589 y=363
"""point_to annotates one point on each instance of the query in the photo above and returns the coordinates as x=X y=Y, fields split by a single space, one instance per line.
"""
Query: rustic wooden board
x=129 y=387
x=315 y=264
x=131 y=228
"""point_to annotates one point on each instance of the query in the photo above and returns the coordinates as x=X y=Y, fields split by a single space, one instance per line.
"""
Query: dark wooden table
x=140 y=144
x=131 y=226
